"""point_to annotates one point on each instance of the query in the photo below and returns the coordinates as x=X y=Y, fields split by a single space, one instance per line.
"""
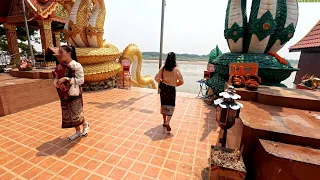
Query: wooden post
x=11 y=33
x=56 y=39
x=45 y=33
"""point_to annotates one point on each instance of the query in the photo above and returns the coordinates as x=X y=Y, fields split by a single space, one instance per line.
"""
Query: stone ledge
x=275 y=160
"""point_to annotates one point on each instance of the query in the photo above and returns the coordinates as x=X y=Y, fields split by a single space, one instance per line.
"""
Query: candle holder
x=227 y=111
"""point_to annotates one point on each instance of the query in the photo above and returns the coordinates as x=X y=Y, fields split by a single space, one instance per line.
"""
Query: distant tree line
x=192 y=57
x=180 y=57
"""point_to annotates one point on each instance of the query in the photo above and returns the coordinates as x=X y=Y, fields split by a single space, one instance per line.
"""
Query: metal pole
x=161 y=35
x=27 y=29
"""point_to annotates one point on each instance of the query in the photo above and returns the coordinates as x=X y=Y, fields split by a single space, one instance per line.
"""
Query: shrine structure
x=309 y=46
x=46 y=15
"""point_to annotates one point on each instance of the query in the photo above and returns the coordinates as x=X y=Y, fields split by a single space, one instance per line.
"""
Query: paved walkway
x=126 y=141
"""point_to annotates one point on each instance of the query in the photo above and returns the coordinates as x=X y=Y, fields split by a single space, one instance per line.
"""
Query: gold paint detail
x=46 y=33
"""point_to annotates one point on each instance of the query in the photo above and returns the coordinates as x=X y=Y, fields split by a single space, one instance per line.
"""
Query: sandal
x=85 y=130
x=168 y=127
x=75 y=136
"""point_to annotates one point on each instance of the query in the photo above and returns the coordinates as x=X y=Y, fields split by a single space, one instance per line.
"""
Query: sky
x=189 y=27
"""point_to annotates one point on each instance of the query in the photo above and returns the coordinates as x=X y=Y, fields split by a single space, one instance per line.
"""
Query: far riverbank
x=178 y=61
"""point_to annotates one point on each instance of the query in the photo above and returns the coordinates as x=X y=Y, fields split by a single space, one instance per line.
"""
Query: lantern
x=227 y=111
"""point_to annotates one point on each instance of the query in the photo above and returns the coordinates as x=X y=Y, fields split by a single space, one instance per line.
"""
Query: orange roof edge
x=310 y=40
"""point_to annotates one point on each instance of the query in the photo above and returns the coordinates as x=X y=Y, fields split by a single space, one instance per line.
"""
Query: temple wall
x=309 y=63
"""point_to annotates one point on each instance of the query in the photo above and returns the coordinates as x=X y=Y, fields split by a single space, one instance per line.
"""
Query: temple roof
x=42 y=8
x=39 y=8
x=311 y=40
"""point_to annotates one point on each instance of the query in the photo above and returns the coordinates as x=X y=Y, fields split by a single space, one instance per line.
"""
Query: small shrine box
x=125 y=65
x=126 y=75
x=208 y=72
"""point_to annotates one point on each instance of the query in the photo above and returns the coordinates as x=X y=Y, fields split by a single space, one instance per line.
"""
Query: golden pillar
x=45 y=33
x=56 y=39
x=11 y=33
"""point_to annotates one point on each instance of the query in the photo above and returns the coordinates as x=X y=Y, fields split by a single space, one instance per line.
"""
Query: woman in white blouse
x=68 y=73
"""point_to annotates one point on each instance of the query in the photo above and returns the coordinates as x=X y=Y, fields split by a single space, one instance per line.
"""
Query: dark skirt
x=168 y=100
x=72 y=111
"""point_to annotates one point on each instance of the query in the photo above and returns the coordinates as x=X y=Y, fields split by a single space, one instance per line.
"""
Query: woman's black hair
x=170 y=61
x=71 y=50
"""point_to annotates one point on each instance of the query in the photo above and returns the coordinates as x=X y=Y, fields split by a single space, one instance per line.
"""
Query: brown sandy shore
x=179 y=62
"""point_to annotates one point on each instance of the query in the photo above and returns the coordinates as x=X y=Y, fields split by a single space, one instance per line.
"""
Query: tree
x=22 y=39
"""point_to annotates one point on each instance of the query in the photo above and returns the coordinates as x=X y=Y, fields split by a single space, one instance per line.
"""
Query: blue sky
x=190 y=27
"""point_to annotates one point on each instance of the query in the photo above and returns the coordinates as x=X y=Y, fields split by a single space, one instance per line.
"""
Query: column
x=11 y=33
x=45 y=33
x=56 y=39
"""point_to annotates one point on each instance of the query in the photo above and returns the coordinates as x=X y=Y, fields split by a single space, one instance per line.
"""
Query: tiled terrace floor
x=126 y=141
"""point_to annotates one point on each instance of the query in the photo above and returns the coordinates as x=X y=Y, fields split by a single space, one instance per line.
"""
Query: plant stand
x=226 y=164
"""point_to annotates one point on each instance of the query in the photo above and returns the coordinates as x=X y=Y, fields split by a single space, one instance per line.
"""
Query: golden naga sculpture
x=84 y=30
x=133 y=53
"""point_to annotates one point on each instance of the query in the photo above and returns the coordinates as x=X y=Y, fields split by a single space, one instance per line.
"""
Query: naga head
x=271 y=25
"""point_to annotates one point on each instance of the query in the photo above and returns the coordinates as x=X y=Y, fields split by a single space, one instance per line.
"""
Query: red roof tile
x=311 y=40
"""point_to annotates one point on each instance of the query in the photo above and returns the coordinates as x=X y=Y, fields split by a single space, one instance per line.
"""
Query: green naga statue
x=271 y=25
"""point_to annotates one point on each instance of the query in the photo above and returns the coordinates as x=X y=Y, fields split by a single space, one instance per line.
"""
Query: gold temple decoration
x=85 y=30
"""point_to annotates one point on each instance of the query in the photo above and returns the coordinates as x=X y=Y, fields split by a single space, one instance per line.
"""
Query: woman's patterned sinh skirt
x=168 y=100
x=72 y=111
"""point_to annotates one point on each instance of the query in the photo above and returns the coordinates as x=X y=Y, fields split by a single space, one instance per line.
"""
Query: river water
x=191 y=73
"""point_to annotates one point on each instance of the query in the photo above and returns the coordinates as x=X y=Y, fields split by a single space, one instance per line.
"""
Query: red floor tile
x=126 y=140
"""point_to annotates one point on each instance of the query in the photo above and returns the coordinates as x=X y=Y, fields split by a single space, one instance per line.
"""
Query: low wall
x=22 y=94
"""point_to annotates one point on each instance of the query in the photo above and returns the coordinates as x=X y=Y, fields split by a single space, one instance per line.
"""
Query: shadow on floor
x=210 y=124
x=121 y=104
x=58 y=147
x=158 y=133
